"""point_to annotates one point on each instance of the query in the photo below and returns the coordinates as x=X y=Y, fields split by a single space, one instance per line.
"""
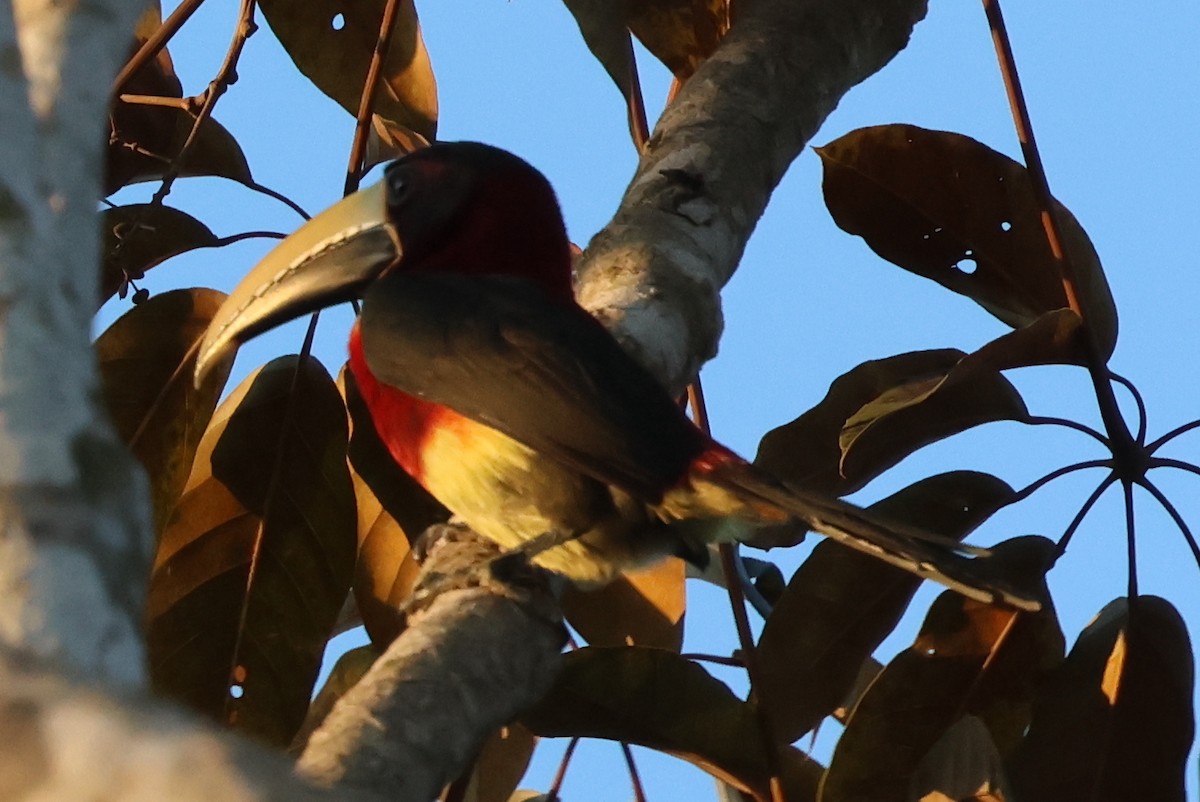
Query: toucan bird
x=512 y=405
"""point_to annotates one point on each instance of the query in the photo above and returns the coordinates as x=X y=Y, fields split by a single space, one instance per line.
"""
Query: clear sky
x=1113 y=92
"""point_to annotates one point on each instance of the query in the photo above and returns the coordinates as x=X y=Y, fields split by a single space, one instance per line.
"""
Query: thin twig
x=1143 y=418
x=1175 y=516
x=225 y=76
x=157 y=41
x=183 y=103
x=1130 y=538
x=1038 y=484
x=1083 y=511
x=358 y=146
x=1171 y=435
x=639 y=794
x=1125 y=449
x=561 y=774
x=1066 y=423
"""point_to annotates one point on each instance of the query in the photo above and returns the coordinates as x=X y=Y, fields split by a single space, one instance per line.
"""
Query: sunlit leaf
x=345 y=674
x=643 y=608
x=969 y=658
x=1115 y=721
x=657 y=699
x=953 y=210
x=808 y=451
x=963 y=765
x=680 y=33
x=256 y=561
x=389 y=140
x=841 y=604
x=146 y=359
x=144 y=235
x=332 y=42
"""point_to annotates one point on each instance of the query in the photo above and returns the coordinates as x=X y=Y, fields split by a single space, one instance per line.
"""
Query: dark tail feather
x=926 y=554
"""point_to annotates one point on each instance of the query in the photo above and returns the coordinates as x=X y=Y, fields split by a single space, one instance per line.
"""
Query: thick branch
x=654 y=273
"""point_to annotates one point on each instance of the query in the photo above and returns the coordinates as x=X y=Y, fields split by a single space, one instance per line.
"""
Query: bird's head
x=461 y=207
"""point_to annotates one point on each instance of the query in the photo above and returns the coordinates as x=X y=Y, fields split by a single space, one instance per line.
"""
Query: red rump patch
x=713 y=457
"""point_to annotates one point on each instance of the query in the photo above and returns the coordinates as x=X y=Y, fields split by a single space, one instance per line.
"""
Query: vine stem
x=1129 y=456
x=737 y=604
x=362 y=123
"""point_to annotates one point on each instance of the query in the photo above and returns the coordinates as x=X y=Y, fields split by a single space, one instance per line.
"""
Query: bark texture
x=654 y=274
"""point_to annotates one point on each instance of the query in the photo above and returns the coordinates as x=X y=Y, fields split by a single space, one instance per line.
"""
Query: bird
x=511 y=404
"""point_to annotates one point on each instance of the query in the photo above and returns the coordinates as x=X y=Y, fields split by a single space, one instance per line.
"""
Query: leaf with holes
x=841 y=604
x=642 y=608
x=144 y=235
x=808 y=451
x=969 y=658
x=146 y=359
x=946 y=207
x=1115 y=721
x=393 y=511
x=332 y=42
x=257 y=558
x=660 y=700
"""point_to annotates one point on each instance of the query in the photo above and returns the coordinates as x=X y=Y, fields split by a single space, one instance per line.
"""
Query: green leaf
x=332 y=42
x=879 y=413
x=1115 y=721
x=969 y=658
x=638 y=608
x=144 y=235
x=946 y=207
x=658 y=699
x=256 y=561
x=841 y=604
x=146 y=359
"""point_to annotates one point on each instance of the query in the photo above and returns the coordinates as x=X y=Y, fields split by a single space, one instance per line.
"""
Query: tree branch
x=653 y=275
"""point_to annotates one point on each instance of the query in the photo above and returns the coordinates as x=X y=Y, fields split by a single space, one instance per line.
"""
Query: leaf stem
x=1171 y=435
x=1083 y=511
x=1137 y=399
x=639 y=793
x=358 y=146
x=1129 y=456
x=1167 y=505
x=561 y=774
x=733 y=662
x=1038 y=484
x=1130 y=537
x=1066 y=423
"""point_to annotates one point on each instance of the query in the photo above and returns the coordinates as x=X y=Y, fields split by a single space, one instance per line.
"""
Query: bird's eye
x=397 y=187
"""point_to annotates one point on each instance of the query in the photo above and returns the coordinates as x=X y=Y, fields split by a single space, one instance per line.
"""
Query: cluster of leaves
x=274 y=506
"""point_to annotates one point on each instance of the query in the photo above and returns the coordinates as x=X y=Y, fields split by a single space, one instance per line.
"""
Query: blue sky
x=1112 y=92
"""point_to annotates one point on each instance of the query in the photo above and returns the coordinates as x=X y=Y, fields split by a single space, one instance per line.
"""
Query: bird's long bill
x=330 y=258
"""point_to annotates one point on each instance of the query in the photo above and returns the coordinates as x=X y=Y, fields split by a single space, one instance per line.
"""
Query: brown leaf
x=1115 y=721
x=256 y=561
x=332 y=42
x=946 y=207
x=657 y=699
x=841 y=604
x=681 y=33
x=897 y=405
x=389 y=140
x=963 y=765
x=146 y=359
x=146 y=140
x=144 y=235
x=639 y=608
x=393 y=511
x=968 y=658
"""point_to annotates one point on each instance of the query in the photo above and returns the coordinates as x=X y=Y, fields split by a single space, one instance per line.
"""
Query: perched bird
x=512 y=405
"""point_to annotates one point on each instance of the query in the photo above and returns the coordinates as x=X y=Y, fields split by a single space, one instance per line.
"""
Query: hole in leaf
x=1005 y=226
x=967 y=266
x=236 y=691
x=929 y=650
x=969 y=252
x=339 y=22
